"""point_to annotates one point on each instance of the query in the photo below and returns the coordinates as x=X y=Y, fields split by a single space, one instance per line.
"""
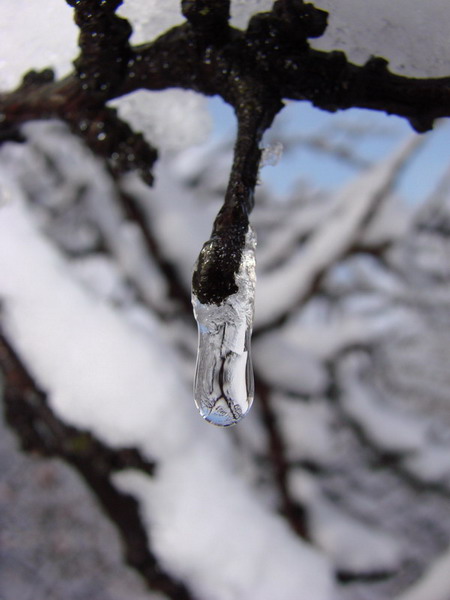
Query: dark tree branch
x=255 y=114
x=103 y=41
x=111 y=138
x=40 y=97
x=209 y=19
x=214 y=275
x=292 y=510
x=177 y=291
x=274 y=52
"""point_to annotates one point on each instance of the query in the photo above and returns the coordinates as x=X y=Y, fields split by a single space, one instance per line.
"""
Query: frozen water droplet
x=271 y=154
x=223 y=386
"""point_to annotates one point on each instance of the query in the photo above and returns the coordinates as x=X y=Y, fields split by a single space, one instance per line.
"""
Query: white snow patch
x=355 y=547
x=291 y=282
x=35 y=35
x=288 y=367
x=158 y=116
x=385 y=426
x=298 y=222
x=325 y=333
x=411 y=34
x=100 y=274
x=218 y=540
x=150 y=18
x=242 y=10
x=306 y=428
x=124 y=386
x=431 y=464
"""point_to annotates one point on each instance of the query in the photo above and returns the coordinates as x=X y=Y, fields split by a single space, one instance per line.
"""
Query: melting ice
x=223 y=385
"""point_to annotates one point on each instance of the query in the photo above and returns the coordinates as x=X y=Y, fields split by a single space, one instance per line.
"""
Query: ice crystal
x=271 y=154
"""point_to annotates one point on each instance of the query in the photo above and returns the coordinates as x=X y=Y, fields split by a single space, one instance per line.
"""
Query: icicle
x=223 y=300
x=223 y=282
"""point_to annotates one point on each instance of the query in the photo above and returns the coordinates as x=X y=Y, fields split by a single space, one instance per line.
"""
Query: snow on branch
x=353 y=208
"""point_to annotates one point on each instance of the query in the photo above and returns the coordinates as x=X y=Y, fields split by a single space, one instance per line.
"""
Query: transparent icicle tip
x=224 y=384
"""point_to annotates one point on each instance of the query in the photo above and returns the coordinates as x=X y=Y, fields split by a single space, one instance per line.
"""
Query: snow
x=56 y=542
x=431 y=465
x=158 y=116
x=391 y=223
x=326 y=338
x=235 y=555
x=127 y=395
x=389 y=429
x=296 y=224
x=353 y=207
x=242 y=10
x=288 y=367
x=307 y=428
x=355 y=546
x=71 y=307
x=150 y=18
x=100 y=274
x=411 y=34
x=35 y=35
x=140 y=265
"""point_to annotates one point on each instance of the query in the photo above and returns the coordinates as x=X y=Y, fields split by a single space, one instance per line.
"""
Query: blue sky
x=418 y=180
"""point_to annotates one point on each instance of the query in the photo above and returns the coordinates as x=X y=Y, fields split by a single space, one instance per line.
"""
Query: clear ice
x=223 y=385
